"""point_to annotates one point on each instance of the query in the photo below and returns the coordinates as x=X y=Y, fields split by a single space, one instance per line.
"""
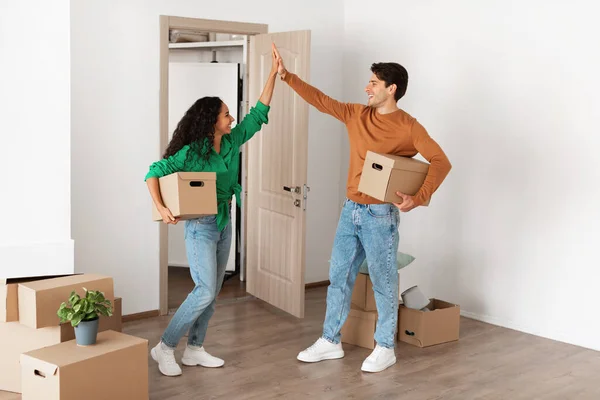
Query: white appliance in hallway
x=189 y=81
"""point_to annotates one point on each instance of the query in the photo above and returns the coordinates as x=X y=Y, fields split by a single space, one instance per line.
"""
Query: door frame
x=167 y=23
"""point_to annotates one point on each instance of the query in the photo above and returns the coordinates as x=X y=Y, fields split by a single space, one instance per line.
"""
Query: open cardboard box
x=428 y=328
x=9 y=296
x=39 y=300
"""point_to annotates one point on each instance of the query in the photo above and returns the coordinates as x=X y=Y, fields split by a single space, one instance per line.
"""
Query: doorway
x=205 y=64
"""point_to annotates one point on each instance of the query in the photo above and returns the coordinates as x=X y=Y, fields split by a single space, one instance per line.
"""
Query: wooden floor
x=260 y=344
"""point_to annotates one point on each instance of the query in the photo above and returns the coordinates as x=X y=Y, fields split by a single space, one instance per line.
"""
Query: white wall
x=35 y=234
x=115 y=83
x=511 y=91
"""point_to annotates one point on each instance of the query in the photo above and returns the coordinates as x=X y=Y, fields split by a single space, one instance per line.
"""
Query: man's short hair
x=392 y=73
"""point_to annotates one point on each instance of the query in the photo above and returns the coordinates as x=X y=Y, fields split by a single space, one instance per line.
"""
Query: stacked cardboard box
x=359 y=328
x=28 y=319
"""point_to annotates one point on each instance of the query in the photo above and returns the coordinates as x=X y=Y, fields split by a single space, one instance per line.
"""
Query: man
x=368 y=228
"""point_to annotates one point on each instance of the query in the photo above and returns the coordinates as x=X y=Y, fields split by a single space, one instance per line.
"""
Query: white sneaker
x=193 y=356
x=380 y=359
x=165 y=357
x=321 y=350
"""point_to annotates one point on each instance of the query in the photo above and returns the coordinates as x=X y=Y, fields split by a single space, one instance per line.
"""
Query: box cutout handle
x=37 y=372
x=409 y=333
x=196 y=183
x=378 y=167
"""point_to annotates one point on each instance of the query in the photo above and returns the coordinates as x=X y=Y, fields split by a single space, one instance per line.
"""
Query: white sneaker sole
x=155 y=358
x=334 y=355
x=378 y=368
x=191 y=363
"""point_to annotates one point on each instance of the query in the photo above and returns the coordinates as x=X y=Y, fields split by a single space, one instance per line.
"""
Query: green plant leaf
x=76 y=320
x=74 y=298
x=85 y=308
x=103 y=310
x=91 y=316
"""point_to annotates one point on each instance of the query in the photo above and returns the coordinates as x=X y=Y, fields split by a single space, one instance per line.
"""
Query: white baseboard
x=36 y=259
x=176 y=264
x=578 y=337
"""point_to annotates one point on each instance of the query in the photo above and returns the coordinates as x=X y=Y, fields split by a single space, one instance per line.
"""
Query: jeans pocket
x=379 y=210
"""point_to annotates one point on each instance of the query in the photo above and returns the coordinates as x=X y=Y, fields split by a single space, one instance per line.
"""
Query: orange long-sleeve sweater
x=394 y=133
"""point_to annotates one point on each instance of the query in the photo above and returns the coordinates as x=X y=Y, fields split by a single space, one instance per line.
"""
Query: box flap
x=437 y=304
x=39 y=367
x=9 y=281
x=62 y=281
x=191 y=176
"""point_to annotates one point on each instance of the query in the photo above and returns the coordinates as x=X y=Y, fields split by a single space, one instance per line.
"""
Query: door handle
x=295 y=189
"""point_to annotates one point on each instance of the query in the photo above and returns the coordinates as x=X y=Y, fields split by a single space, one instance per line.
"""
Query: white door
x=189 y=81
x=277 y=158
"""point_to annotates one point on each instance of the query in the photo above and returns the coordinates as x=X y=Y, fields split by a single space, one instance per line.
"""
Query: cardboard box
x=16 y=339
x=9 y=298
x=384 y=174
x=428 y=328
x=39 y=300
x=363 y=297
x=9 y=301
x=116 y=367
x=188 y=195
x=359 y=328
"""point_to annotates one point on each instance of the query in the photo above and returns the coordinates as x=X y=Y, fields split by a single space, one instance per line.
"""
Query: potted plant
x=83 y=313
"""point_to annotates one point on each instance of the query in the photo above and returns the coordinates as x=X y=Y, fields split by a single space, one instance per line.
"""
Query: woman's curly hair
x=196 y=129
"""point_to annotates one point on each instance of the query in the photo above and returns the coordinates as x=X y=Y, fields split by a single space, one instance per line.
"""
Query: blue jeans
x=369 y=231
x=207 y=252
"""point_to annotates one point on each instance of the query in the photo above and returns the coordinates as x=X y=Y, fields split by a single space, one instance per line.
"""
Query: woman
x=204 y=142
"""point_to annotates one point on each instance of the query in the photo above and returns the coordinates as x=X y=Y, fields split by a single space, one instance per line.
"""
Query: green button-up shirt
x=226 y=164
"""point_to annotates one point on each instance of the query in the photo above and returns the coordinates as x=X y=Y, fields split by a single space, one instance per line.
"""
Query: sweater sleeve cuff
x=419 y=199
x=151 y=174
